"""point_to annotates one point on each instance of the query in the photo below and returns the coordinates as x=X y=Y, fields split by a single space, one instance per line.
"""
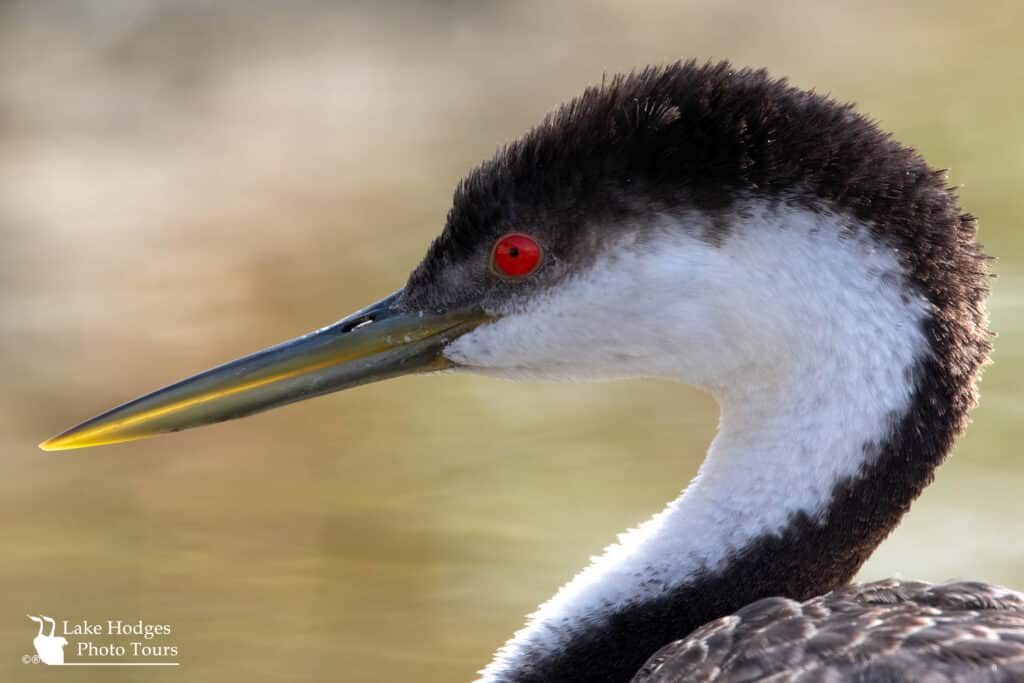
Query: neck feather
x=791 y=511
x=810 y=470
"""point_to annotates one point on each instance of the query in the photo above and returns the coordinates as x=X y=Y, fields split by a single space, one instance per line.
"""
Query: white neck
x=803 y=406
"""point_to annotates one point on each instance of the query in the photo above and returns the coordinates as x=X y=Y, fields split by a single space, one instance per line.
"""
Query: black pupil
x=513 y=252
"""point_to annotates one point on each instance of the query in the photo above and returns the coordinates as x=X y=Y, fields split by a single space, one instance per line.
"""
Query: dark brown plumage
x=883 y=632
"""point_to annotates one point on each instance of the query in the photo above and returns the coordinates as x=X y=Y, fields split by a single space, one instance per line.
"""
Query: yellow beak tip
x=54 y=444
x=75 y=440
x=68 y=441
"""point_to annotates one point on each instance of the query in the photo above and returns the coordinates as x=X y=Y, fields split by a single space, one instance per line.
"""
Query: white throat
x=799 y=323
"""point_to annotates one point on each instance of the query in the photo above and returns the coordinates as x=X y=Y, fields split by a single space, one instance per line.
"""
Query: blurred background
x=182 y=182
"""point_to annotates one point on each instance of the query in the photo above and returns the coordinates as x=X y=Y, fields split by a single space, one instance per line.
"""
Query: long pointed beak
x=375 y=343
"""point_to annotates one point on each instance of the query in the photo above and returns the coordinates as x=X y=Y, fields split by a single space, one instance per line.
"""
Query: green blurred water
x=183 y=182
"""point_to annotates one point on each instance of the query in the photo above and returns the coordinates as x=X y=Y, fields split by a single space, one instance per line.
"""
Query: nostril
x=356 y=323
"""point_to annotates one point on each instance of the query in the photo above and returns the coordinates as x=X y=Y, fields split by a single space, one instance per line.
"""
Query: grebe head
x=695 y=222
x=713 y=226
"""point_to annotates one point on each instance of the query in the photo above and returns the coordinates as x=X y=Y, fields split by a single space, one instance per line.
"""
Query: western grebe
x=774 y=247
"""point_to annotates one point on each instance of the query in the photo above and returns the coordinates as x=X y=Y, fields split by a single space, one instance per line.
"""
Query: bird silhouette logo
x=50 y=648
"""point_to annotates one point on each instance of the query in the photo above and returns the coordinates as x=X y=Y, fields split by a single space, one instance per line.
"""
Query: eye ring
x=515 y=255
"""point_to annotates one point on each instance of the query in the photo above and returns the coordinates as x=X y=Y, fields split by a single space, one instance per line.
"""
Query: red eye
x=515 y=255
